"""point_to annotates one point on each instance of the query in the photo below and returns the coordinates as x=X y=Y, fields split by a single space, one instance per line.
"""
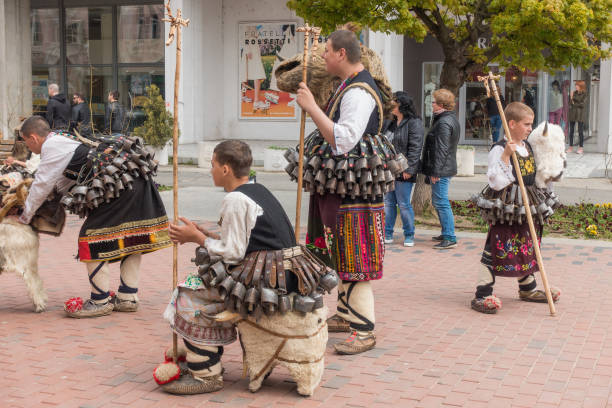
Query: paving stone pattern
x=433 y=350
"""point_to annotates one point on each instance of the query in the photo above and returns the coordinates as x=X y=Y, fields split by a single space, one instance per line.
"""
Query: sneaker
x=445 y=244
x=580 y=151
x=356 y=344
x=438 y=238
x=388 y=240
x=187 y=384
x=569 y=149
x=91 y=309
x=337 y=324
x=408 y=242
x=123 y=305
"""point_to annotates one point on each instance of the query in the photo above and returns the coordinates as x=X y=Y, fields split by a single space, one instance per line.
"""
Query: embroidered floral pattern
x=517 y=267
x=527 y=165
x=512 y=246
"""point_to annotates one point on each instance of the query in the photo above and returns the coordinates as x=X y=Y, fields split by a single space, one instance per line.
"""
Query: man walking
x=58 y=109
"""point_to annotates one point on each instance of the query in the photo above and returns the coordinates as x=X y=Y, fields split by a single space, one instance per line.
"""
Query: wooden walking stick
x=316 y=31
x=534 y=235
x=176 y=24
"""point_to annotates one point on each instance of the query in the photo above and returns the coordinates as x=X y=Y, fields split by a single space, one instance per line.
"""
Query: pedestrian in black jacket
x=58 y=109
x=80 y=112
x=114 y=115
x=440 y=162
x=406 y=133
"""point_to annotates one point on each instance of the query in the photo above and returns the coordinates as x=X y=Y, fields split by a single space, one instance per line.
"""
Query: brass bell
x=341 y=188
x=355 y=191
x=127 y=180
x=375 y=161
x=320 y=178
x=366 y=177
x=362 y=163
x=342 y=166
x=394 y=167
x=377 y=191
x=118 y=162
x=331 y=185
x=284 y=304
x=110 y=170
x=251 y=299
x=269 y=300
x=314 y=162
x=133 y=168
x=97 y=183
x=388 y=176
x=350 y=177
x=308 y=177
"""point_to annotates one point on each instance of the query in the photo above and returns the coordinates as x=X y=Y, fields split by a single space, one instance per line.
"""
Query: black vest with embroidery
x=272 y=230
x=79 y=159
x=526 y=164
x=374 y=121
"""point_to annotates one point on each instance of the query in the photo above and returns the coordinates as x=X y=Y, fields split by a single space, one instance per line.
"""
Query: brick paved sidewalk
x=433 y=350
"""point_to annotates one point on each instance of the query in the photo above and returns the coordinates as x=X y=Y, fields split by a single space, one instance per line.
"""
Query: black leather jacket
x=58 y=112
x=113 y=117
x=407 y=138
x=440 y=153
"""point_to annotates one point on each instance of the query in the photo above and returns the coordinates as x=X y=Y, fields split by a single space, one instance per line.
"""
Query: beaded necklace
x=339 y=90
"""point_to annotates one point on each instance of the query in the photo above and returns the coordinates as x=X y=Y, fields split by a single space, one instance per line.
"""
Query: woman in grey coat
x=406 y=133
x=577 y=113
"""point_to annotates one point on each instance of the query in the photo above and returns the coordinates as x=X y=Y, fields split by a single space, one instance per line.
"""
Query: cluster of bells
x=113 y=170
x=506 y=206
x=367 y=172
x=257 y=299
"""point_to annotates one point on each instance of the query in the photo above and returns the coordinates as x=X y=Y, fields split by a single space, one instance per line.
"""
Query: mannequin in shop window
x=428 y=89
x=577 y=114
x=555 y=107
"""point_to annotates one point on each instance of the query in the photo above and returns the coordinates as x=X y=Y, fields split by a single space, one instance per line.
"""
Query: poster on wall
x=262 y=47
x=40 y=94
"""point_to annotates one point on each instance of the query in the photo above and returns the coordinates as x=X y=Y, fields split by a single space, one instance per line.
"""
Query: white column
x=16 y=64
x=604 y=137
x=390 y=47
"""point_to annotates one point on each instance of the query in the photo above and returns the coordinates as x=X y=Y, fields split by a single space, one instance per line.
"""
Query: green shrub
x=157 y=127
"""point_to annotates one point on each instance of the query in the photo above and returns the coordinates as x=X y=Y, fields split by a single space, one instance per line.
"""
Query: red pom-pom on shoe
x=492 y=302
x=73 y=304
x=166 y=372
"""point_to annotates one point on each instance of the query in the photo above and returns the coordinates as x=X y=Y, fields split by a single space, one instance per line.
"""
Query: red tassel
x=74 y=304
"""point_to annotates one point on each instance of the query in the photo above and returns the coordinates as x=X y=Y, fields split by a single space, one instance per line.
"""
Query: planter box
x=161 y=155
x=465 y=161
x=274 y=160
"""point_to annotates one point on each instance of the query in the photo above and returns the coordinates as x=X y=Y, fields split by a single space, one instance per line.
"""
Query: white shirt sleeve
x=356 y=107
x=238 y=217
x=56 y=153
x=499 y=173
x=33 y=162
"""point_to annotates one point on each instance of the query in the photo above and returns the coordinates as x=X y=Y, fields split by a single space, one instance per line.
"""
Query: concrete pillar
x=16 y=64
x=390 y=47
x=604 y=138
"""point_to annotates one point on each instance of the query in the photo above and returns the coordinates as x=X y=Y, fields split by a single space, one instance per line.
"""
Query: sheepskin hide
x=548 y=143
x=261 y=346
x=321 y=83
x=19 y=254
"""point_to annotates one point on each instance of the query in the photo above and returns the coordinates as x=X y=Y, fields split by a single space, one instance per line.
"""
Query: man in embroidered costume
x=257 y=245
x=120 y=229
x=509 y=248
x=351 y=228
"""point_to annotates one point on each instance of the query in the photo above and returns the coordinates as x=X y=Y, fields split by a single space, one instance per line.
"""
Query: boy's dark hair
x=35 y=124
x=114 y=94
x=236 y=154
x=348 y=40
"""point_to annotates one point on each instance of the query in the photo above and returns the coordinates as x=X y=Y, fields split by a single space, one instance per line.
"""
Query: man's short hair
x=517 y=111
x=54 y=88
x=444 y=98
x=348 y=40
x=35 y=124
x=236 y=154
x=79 y=95
x=115 y=94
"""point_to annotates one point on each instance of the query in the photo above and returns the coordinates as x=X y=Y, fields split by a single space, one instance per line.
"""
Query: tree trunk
x=421 y=196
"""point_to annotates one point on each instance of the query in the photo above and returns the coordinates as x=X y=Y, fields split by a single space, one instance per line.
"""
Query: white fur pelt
x=19 y=254
x=260 y=346
x=548 y=143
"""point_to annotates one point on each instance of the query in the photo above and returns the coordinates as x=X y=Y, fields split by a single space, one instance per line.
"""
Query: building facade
x=230 y=49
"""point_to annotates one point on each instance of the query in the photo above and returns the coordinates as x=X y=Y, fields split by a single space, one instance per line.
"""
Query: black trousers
x=580 y=133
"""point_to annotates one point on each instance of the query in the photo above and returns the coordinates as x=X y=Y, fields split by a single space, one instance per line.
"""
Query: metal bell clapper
x=226 y=287
x=218 y=273
x=303 y=304
x=251 y=299
x=284 y=304
x=269 y=300
x=201 y=256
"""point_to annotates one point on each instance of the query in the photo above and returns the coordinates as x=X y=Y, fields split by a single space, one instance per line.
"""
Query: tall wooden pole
x=307 y=30
x=176 y=23
x=534 y=235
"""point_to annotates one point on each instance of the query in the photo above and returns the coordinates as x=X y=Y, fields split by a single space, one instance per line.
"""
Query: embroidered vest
x=527 y=165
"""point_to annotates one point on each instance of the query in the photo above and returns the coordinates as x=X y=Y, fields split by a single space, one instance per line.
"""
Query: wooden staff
x=534 y=236
x=176 y=24
x=316 y=31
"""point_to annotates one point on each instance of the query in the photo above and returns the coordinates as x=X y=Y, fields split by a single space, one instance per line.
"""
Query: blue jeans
x=400 y=197
x=496 y=125
x=439 y=198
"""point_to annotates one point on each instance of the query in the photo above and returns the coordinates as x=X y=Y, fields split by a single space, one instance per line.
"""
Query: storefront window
x=94 y=83
x=522 y=86
x=45 y=36
x=132 y=89
x=431 y=82
x=558 y=98
x=141 y=34
x=89 y=35
x=41 y=79
x=478 y=124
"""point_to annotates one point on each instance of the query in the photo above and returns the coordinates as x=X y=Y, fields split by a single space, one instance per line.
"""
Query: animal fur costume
x=252 y=277
x=509 y=249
